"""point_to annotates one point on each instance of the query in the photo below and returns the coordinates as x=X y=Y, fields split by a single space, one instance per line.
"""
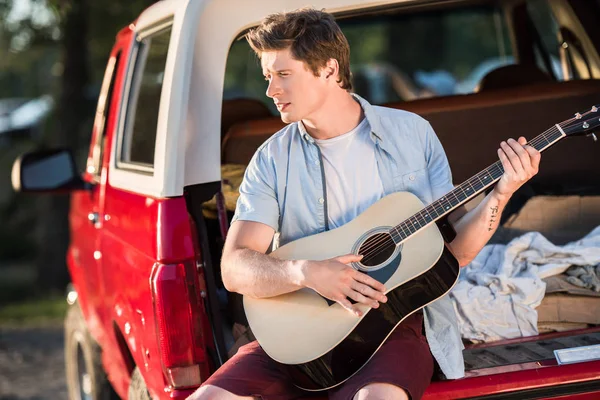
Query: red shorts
x=404 y=360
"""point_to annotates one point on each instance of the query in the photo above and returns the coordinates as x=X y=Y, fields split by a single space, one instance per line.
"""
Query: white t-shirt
x=351 y=174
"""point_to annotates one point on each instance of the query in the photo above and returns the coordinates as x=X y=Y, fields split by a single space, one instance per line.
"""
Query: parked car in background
x=23 y=118
x=181 y=111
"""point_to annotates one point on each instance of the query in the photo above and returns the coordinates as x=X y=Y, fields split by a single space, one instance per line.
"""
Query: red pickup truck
x=181 y=111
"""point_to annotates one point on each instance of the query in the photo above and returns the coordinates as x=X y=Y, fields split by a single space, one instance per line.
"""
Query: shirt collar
x=370 y=116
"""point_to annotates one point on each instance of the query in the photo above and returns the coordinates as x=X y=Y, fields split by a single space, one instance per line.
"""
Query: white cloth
x=351 y=174
x=497 y=293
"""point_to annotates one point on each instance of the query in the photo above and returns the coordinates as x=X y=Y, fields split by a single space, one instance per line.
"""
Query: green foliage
x=106 y=19
x=368 y=43
x=28 y=49
x=35 y=51
x=50 y=308
x=455 y=41
x=243 y=75
x=30 y=41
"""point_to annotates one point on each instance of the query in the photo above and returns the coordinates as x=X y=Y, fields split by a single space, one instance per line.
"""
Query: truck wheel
x=137 y=387
x=86 y=380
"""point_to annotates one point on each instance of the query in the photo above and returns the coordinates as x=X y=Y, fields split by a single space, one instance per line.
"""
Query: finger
x=369 y=292
x=521 y=152
x=508 y=169
x=359 y=298
x=366 y=279
x=516 y=147
x=525 y=156
x=348 y=258
x=344 y=302
x=527 y=146
x=514 y=159
x=535 y=157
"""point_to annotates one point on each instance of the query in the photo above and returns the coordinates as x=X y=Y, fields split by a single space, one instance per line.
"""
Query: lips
x=282 y=106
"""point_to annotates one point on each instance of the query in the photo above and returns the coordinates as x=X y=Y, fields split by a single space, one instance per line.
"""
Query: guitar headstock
x=582 y=124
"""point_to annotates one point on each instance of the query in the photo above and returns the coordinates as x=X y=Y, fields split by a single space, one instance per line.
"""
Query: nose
x=273 y=89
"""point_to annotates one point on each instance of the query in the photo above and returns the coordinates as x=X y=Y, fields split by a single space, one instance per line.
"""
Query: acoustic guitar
x=319 y=343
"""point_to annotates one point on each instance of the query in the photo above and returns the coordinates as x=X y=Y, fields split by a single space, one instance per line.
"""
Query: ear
x=331 y=69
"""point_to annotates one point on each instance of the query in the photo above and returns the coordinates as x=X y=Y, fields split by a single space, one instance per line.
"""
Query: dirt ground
x=32 y=362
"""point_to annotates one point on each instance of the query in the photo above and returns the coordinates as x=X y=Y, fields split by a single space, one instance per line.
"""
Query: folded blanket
x=498 y=291
x=585 y=277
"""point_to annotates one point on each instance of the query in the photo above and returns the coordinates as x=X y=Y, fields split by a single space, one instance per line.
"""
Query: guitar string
x=494 y=168
x=438 y=207
x=444 y=201
x=375 y=247
x=412 y=224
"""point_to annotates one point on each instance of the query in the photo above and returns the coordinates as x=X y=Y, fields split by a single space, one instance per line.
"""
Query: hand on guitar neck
x=520 y=162
x=338 y=282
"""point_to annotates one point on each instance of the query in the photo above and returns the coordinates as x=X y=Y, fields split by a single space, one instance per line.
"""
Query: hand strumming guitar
x=337 y=281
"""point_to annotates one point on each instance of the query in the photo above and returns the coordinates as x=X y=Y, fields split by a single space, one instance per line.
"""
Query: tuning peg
x=593 y=135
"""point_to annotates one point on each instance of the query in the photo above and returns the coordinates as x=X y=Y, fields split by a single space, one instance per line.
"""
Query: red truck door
x=87 y=215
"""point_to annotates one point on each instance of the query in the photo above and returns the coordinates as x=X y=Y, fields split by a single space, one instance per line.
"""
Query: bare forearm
x=476 y=228
x=259 y=275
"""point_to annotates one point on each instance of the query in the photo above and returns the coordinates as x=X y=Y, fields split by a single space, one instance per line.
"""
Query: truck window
x=547 y=31
x=94 y=164
x=402 y=56
x=569 y=60
x=139 y=140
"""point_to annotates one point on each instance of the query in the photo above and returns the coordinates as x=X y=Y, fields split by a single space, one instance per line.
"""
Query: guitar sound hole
x=377 y=249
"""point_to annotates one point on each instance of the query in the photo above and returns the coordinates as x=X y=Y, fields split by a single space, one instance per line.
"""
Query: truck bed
x=523 y=368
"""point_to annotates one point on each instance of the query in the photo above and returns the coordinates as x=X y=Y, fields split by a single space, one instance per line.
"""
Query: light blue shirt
x=284 y=187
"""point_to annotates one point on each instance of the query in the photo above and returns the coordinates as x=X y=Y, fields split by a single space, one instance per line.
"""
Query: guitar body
x=320 y=343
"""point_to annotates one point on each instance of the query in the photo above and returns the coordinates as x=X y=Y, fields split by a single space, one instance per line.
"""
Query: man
x=337 y=156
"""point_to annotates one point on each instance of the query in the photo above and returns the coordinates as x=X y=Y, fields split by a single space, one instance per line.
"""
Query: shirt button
x=317 y=162
x=321 y=200
x=412 y=177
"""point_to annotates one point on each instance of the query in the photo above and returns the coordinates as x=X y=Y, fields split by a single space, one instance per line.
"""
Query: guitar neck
x=464 y=192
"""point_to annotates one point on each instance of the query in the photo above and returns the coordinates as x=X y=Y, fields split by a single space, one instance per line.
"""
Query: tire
x=86 y=379
x=137 y=387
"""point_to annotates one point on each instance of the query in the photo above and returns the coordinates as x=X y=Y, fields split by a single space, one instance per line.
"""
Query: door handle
x=93 y=217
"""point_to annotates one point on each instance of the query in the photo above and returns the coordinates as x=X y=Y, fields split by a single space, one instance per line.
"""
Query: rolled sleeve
x=440 y=176
x=258 y=199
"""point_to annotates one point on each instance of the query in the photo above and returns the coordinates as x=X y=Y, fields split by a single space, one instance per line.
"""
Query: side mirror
x=46 y=171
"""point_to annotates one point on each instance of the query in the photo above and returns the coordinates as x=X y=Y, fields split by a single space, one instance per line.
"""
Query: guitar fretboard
x=465 y=191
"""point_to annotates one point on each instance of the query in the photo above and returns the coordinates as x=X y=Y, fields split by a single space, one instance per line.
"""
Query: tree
x=73 y=112
x=88 y=29
x=58 y=47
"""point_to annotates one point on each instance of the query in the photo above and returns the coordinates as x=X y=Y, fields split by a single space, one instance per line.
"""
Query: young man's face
x=296 y=91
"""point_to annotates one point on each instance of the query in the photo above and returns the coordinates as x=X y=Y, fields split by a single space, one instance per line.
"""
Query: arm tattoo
x=493 y=217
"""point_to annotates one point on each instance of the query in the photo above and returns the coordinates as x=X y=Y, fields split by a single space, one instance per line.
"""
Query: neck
x=339 y=114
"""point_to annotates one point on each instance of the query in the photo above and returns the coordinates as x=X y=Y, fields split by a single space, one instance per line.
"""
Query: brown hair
x=313 y=37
